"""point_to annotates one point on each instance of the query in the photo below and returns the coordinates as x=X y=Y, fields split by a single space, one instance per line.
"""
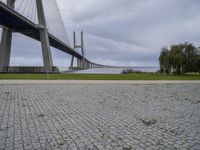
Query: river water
x=116 y=70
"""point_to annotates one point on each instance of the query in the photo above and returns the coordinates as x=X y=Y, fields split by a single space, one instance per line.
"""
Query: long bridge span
x=13 y=21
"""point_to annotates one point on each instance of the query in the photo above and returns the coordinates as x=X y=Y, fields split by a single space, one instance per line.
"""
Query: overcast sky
x=119 y=32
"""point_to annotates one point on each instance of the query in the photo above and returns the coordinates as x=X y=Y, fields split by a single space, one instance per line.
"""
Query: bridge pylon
x=81 y=63
x=6 y=41
x=44 y=38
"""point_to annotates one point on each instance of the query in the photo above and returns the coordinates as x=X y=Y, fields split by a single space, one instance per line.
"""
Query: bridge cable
x=33 y=11
x=28 y=9
x=19 y=6
x=25 y=7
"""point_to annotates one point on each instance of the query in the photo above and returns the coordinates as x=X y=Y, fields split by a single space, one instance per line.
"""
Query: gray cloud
x=133 y=30
x=128 y=32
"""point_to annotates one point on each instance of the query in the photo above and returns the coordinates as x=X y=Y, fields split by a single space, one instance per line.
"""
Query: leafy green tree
x=176 y=56
x=164 y=61
x=190 y=54
x=180 y=59
x=198 y=62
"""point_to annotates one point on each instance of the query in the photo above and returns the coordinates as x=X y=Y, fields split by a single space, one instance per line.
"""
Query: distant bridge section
x=16 y=16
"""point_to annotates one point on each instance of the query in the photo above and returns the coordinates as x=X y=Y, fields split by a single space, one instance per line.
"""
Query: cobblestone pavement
x=100 y=116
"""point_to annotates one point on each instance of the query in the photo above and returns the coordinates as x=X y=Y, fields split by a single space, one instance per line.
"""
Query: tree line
x=180 y=59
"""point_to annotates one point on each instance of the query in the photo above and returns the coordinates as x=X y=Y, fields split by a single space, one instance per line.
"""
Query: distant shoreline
x=117 y=70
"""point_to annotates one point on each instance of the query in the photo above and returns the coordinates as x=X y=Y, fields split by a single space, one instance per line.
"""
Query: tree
x=198 y=62
x=164 y=61
x=176 y=54
x=180 y=59
x=190 y=54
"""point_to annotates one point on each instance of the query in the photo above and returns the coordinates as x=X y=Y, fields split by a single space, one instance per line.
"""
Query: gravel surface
x=79 y=115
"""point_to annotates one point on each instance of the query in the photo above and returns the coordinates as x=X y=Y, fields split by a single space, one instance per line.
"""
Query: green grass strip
x=132 y=76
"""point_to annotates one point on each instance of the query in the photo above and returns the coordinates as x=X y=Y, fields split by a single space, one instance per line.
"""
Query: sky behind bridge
x=119 y=32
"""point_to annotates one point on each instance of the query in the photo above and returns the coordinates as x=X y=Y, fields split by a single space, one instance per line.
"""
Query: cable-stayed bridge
x=40 y=20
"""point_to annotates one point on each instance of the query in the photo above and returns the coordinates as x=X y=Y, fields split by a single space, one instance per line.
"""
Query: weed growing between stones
x=41 y=115
x=148 y=122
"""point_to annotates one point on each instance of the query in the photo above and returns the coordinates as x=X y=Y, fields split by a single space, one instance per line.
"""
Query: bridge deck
x=12 y=19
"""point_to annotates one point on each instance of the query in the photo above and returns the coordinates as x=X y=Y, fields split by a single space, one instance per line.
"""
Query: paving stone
x=99 y=116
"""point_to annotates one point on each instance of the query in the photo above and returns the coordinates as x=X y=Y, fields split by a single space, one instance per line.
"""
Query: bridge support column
x=88 y=65
x=46 y=51
x=81 y=63
x=74 y=46
x=84 y=64
x=6 y=41
x=44 y=37
x=5 y=48
x=78 y=63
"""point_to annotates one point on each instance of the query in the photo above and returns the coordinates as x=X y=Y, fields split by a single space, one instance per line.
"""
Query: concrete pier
x=5 y=48
x=6 y=41
x=46 y=51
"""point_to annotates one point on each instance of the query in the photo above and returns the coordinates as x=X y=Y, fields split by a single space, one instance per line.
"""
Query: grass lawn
x=132 y=76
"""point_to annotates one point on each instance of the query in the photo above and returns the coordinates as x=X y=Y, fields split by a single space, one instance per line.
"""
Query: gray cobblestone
x=99 y=116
